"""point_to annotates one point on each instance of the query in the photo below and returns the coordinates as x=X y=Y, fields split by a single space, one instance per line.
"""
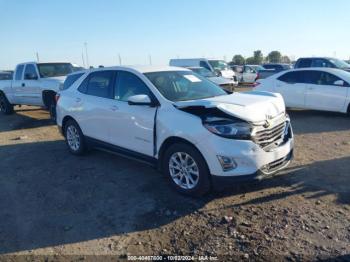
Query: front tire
x=186 y=170
x=74 y=138
x=5 y=106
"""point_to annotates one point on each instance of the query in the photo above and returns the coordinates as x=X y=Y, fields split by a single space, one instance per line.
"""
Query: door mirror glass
x=339 y=83
x=141 y=100
x=30 y=76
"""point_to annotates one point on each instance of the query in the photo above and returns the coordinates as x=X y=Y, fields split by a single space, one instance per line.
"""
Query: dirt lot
x=57 y=205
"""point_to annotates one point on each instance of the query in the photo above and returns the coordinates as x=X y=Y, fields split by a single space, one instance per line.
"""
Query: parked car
x=271 y=69
x=34 y=84
x=226 y=84
x=6 y=75
x=322 y=62
x=179 y=121
x=248 y=73
x=311 y=88
x=218 y=67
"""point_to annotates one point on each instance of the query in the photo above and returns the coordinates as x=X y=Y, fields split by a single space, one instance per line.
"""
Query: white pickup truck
x=34 y=84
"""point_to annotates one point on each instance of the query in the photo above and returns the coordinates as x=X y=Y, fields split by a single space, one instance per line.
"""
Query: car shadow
x=25 y=118
x=49 y=197
x=309 y=121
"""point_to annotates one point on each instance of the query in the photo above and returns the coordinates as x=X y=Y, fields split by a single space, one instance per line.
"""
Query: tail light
x=57 y=97
x=255 y=84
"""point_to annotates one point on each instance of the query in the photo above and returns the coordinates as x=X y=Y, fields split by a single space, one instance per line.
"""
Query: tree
x=258 y=57
x=238 y=60
x=250 y=60
x=274 y=57
x=286 y=59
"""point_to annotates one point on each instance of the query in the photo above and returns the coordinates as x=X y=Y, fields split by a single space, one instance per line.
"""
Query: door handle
x=114 y=108
x=78 y=100
x=23 y=84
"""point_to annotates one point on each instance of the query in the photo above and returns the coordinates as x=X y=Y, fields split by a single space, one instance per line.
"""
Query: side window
x=204 y=64
x=128 y=85
x=83 y=86
x=70 y=80
x=30 y=72
x=292 y=77
x=19 y=72
x=327 y=79
x=101 y=84
x=304 y=63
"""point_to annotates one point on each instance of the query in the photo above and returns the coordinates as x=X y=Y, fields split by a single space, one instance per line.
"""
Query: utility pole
x=37 y=57
x=82 y=58
x=86 y=55
x=150 y=59
x=120 y=59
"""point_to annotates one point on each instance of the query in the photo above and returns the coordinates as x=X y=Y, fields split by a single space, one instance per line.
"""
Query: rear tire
x=75 y=139
x=348 y=113
x=186 y=170
x=5 y=106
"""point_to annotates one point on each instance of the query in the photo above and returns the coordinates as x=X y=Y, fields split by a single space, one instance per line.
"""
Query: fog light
x=227 y=163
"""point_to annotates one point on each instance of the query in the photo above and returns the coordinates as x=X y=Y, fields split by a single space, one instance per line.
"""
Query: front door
x=324 y=94
x=131 y=126
x=30 y=87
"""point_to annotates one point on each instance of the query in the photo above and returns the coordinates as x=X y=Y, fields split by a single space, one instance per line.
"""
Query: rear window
x=70 y=80
x=19 y=72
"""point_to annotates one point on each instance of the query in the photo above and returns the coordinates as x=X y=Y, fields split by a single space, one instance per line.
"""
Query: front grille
x=270 y=137
x=276 y=165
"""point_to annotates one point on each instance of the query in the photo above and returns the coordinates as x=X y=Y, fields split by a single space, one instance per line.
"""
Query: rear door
x=292 y=87
x=322 y=92
x=30 y=87
x=93 y=104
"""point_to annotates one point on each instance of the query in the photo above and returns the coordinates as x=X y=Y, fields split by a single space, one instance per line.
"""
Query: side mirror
x=140 y=100
x=31 y=77
x=339 y=83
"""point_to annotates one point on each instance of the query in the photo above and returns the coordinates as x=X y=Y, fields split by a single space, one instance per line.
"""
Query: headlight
x=229 y=129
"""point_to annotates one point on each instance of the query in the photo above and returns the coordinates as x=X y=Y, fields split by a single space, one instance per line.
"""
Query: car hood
x=220 y=80
x=255 y=106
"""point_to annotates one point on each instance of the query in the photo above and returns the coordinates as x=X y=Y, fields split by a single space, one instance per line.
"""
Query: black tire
x=53 y=112
x=348 y=110
x=5 y=106
x=69 y=127
x=203 y=185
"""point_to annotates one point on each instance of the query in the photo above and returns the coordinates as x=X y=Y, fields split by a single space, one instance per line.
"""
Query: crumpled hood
x=254 y=106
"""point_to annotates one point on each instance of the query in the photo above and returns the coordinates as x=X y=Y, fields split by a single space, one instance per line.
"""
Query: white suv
x=188 y=127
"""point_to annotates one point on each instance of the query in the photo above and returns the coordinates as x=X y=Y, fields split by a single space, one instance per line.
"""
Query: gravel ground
x=56 y=206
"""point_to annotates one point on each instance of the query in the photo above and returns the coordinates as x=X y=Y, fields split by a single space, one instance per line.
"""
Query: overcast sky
x=138 y=29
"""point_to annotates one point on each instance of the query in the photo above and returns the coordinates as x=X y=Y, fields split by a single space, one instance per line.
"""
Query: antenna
x=86 y=55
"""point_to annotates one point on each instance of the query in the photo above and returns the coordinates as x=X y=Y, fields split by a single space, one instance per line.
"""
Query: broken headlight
x=229 y=128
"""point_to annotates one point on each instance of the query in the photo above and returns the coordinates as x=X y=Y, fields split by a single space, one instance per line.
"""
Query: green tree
x=250 y=60
x=285 y=59
x=274 y=57
x=258 y=57
x=238 y=60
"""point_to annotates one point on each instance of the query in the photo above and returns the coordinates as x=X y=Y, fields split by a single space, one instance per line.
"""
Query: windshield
x=203 y=72
x=183 y=85
x=56 y=69
x=218 y=64
x=339 y=63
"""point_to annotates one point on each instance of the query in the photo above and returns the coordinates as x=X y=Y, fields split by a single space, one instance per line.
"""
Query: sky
x=153 y=31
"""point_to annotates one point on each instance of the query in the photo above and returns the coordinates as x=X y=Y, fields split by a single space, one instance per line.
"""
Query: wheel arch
x=48 y=96
x=171 y=141
x=64 y=122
